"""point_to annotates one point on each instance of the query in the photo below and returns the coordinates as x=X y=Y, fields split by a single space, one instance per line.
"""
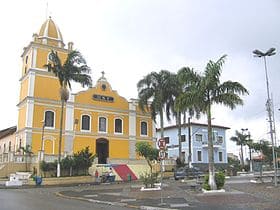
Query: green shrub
x=149 y=179
x=219 y=179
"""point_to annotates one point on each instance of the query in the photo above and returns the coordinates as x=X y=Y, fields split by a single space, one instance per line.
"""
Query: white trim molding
x=31 y=84
x=118 y=118
x=34 y=58
x=29 y=113
x=81 y=124
x=106 y=118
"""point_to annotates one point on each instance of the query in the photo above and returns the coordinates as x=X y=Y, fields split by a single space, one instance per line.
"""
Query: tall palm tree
x=180 y=83
x=73 y=69
x=155 y=87
x=207 y=91
x=241 y=140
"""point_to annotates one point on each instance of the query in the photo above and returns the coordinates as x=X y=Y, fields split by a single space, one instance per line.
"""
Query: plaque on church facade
x=102 y=98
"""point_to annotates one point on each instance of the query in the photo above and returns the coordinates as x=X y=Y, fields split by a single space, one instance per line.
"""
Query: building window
x=4 y=148
x=220 y=140
x=198 y=137
x=118 y=126
x=221 y=156
x=49 y=119
x=26 y=59
x=199 y=156
x=102 y=124
x=20 y=143
x=183 y=138
x=166 y=139
x=10 y=146
x=183 y=156
x=144 y=128
x=85 y=122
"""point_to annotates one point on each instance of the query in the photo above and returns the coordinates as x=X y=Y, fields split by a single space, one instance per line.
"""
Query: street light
x=41 y=152
x=250 y=151
x=242 y=142
x=190 y=150
x=43 y=130
x=270 y=52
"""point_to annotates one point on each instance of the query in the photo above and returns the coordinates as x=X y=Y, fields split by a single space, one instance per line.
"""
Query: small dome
x=50 y=34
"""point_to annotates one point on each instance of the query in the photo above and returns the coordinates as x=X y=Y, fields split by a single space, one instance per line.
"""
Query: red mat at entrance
x=124 y=172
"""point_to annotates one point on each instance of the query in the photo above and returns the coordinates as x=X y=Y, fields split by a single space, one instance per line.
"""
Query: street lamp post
x=43 y=130
x=189 y=138
x=250 y=152
x=270 y=52
x=242 y=154
x=41 y=152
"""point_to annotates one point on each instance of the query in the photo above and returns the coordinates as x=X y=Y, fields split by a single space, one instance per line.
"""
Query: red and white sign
x=161 y=144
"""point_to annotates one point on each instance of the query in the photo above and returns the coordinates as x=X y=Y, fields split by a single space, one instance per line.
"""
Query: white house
x=198 y=141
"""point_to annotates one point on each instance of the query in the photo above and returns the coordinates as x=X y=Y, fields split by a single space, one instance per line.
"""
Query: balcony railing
x=216 y=144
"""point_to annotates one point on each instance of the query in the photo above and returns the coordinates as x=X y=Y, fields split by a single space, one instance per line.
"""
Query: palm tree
x=179 y=85
x=155 y=87
x=241 y=140
x=27 y=151
x=207 y=91
x=73 y=69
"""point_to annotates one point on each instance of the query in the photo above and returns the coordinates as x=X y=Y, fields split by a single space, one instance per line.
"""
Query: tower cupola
x=50 y=34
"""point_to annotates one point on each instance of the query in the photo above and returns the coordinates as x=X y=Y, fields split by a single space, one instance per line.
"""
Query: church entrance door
x=102 y=150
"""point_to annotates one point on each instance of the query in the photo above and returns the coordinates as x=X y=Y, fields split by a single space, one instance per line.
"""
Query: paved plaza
x=239 y=193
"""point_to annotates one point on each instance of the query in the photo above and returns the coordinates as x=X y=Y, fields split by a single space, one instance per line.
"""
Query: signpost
x=162 y=145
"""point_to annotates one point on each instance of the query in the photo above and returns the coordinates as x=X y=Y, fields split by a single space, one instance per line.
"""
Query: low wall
x=9 y=168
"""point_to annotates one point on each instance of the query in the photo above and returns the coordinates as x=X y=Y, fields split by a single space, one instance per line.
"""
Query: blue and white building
x=198 y=143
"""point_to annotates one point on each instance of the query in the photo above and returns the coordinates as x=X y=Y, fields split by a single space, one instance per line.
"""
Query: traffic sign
x=161 y=144
x=161 y=154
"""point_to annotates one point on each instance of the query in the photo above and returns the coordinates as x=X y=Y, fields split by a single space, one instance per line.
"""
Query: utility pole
x=259 y=54
x=190 y=149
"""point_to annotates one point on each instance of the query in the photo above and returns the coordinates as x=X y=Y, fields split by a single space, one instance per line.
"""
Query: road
x=45 y=199
x=240 y=195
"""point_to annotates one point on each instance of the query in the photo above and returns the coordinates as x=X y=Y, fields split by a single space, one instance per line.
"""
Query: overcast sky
x=130 y=38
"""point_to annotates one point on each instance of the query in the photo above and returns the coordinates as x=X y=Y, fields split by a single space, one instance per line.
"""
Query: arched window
x=86 y=122
x=10 y=146
x=19 y=144
x=49 y=119
x=102 y=124
x=144 y=128
x=118 y=126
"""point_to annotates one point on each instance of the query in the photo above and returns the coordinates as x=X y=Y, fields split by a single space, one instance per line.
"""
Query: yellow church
x=97 y=117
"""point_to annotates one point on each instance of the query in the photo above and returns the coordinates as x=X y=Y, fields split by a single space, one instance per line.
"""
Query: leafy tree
x=156 y=87
x=265 y=148
x=73 y=69
x=48 y=167
x=207 y=91
x=241 y=140
x=68 y=163
x=145 y=150
x=83 y=159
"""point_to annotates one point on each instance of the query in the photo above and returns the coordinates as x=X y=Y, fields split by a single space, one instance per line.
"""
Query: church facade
x=98 y=117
